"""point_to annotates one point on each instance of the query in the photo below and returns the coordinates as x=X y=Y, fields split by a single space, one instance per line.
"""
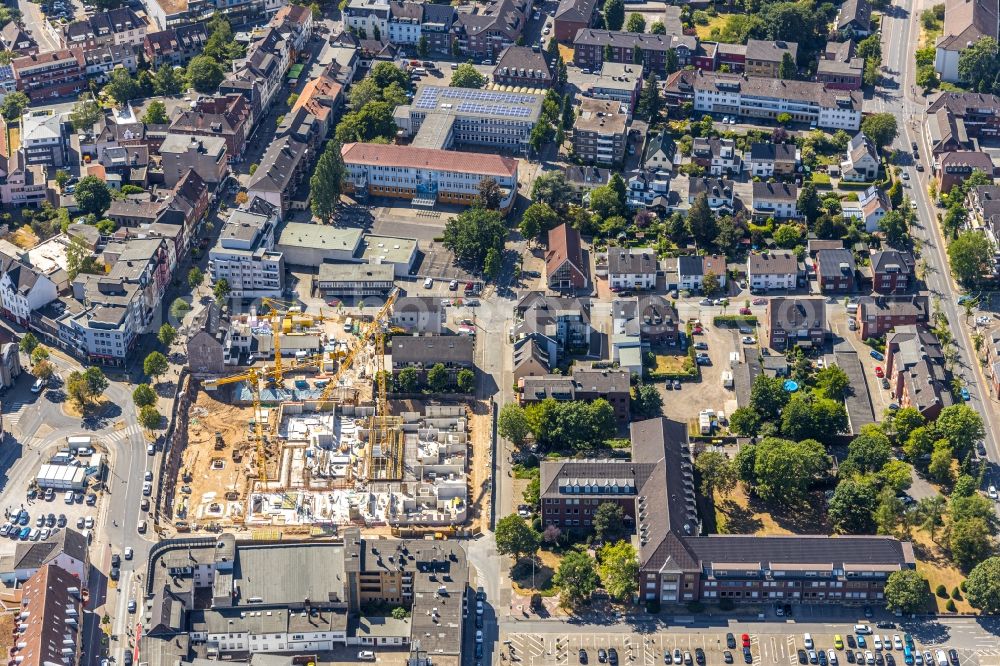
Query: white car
x=89 y=522
x=869 y=657
x=992 y=492
x=38 y=386
x=833 y=657
x=749 y=340
x=428 y=283
x=546 y=31
x=897 y=642
x=128 y=552
x=878 y=642
x=366 y=655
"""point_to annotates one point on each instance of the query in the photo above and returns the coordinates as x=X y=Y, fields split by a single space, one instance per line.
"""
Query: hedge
x=694 y=371
x=821 y=179
x=730 y=320
x=848 y=185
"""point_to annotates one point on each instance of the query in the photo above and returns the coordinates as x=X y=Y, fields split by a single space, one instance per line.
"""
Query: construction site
x=260 y=454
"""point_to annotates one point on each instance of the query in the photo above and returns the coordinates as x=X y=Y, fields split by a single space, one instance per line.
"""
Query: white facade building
x=245 y=258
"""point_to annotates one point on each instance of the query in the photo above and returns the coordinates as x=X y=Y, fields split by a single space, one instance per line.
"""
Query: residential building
x=43 y=76
x=23 y=185
x=768 y=160
x=965 y=23
x=630 y=268
x=103 y=320
x=422 y=352
x=65 y=550
x=10 y=364
x=778 y=201
x=861 y=163
x=854 y=18
x=43 y=137
x=436 y=27
x=244 y=255
x=650 y=188
x=795 y=322
x=23 y=290
x=50 y=620
x=322 y=98
x=533 y=356
x=649 y=317
x=954 y=167
x=282 y=170
x=500 y=120
x=584 y=384
x=892 y=271
x=225 y=116
x=490 y=28
x=877 y=315
x=763 y=57
x=600 y=133
x=175 y=46
x=571 y=17
x=838 y=67
x=101 y=61
x=718 y=157
x=718 y=192
x=357 y=280
x=692 y=269
x=914 y=366
x=404 y=22
x=591 y=48
x=564 y=265
x=766 y=98
x=871 y=207
x=677 y=565
x=774 y=270
x=835 y=270
x=367 y=17
x=621 y=82
x=120 y=26
x=425 y=175
x=16 y=40
x=979 y=112
x=983 y=205
x=523 y=66
x=418 y=314
x=205 y=155
x=945 y=132
x=565 y=321
x=583 y=179
x=660 y=153
x=206 y=342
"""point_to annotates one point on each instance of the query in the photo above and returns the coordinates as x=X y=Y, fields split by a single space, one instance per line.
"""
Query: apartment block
x=244 y=254
x=600 y=133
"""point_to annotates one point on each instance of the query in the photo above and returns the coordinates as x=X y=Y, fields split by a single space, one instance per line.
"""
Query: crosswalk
x=132 y=433
x=12 y=413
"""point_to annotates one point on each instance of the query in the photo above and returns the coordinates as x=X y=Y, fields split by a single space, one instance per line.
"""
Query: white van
x=808 y=640
x=941 y=658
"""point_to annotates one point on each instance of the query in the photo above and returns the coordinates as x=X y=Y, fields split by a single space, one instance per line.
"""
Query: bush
x=844 y=185
x=950 y=606
x=726 y=604
x=941 y=591
x=962 y=586
x=695 y=607
x=653 y=606
x=536 y=524
x=955 y=594
x=732 y=321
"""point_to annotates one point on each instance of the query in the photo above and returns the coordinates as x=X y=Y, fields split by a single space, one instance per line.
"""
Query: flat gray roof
x=320 y=236
x=388 y=249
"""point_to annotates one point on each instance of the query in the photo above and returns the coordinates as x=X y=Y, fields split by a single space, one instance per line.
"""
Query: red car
x=696 y=330
x=746 y=640
x=878 y=371
x=759 y=301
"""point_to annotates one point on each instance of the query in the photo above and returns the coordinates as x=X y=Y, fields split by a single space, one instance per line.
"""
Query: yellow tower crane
x=280 y=314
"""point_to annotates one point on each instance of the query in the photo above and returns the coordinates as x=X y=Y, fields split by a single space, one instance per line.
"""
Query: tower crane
x=279 y=311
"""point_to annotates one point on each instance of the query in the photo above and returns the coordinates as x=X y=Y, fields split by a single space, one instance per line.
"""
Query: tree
x=979 y=66
x=880 y=128
x=466 y=380
x=156 y=113
x=221 y=290
x=532 y=493
x=619 y=566
x=471 y=234
x=155 y=364
x=970 y=256
x=745 y=421
x=576 y=577
x=97 y=383
x=888 y=511
x=489 y=195
x=39 y=354
x=467 y=76
x=767 y=396
x=195 y=277
x=143 y=395
x=538 y=218
x=512 y=424
x=614 y=14
x=28 y=343
x=647 y=401
x=896 y=474
x=906 y=591
x=962 y=426
x=635 y=23
x=408 y=380
x=940 y=464
x=657 y=28
x=43 y=370
x=551 y=188
x=649 y=99
x=785 y=470
x=492 y=264
x=927 y=77
x=810 y=416
x=970 y=542
x=787 y=69
x=92 y=196
x=701 y=221
x=515 y=537
x=84 y=114
x=834 y=382
x=205 y=74
x=149 y=417
x=982 y=587
x=76 y=389
x=931 y=511
x=14 y=105
x=608 y=521
x=869 y=451
x=423 y=46
x=166 y=335
x=122 y=86
x=809 y=203
x=895 y=227
x=851 y=505
x=717 y=472
x=438 y=378
x=788 y=235
x=326 y=182
x=168 y=80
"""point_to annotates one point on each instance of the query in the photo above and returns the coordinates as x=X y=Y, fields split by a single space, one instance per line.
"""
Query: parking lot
x=779 y=647
x=78 y=515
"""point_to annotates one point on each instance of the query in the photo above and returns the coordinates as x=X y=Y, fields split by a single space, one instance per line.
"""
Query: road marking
x=15 y=412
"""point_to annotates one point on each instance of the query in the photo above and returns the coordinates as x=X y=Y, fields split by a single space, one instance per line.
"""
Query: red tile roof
x=374 y=154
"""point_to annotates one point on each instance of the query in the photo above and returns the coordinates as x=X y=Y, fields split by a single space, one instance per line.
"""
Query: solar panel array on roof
x=477 y=101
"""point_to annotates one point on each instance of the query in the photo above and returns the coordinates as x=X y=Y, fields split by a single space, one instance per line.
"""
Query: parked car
x=877 y=355
x=964 y=392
